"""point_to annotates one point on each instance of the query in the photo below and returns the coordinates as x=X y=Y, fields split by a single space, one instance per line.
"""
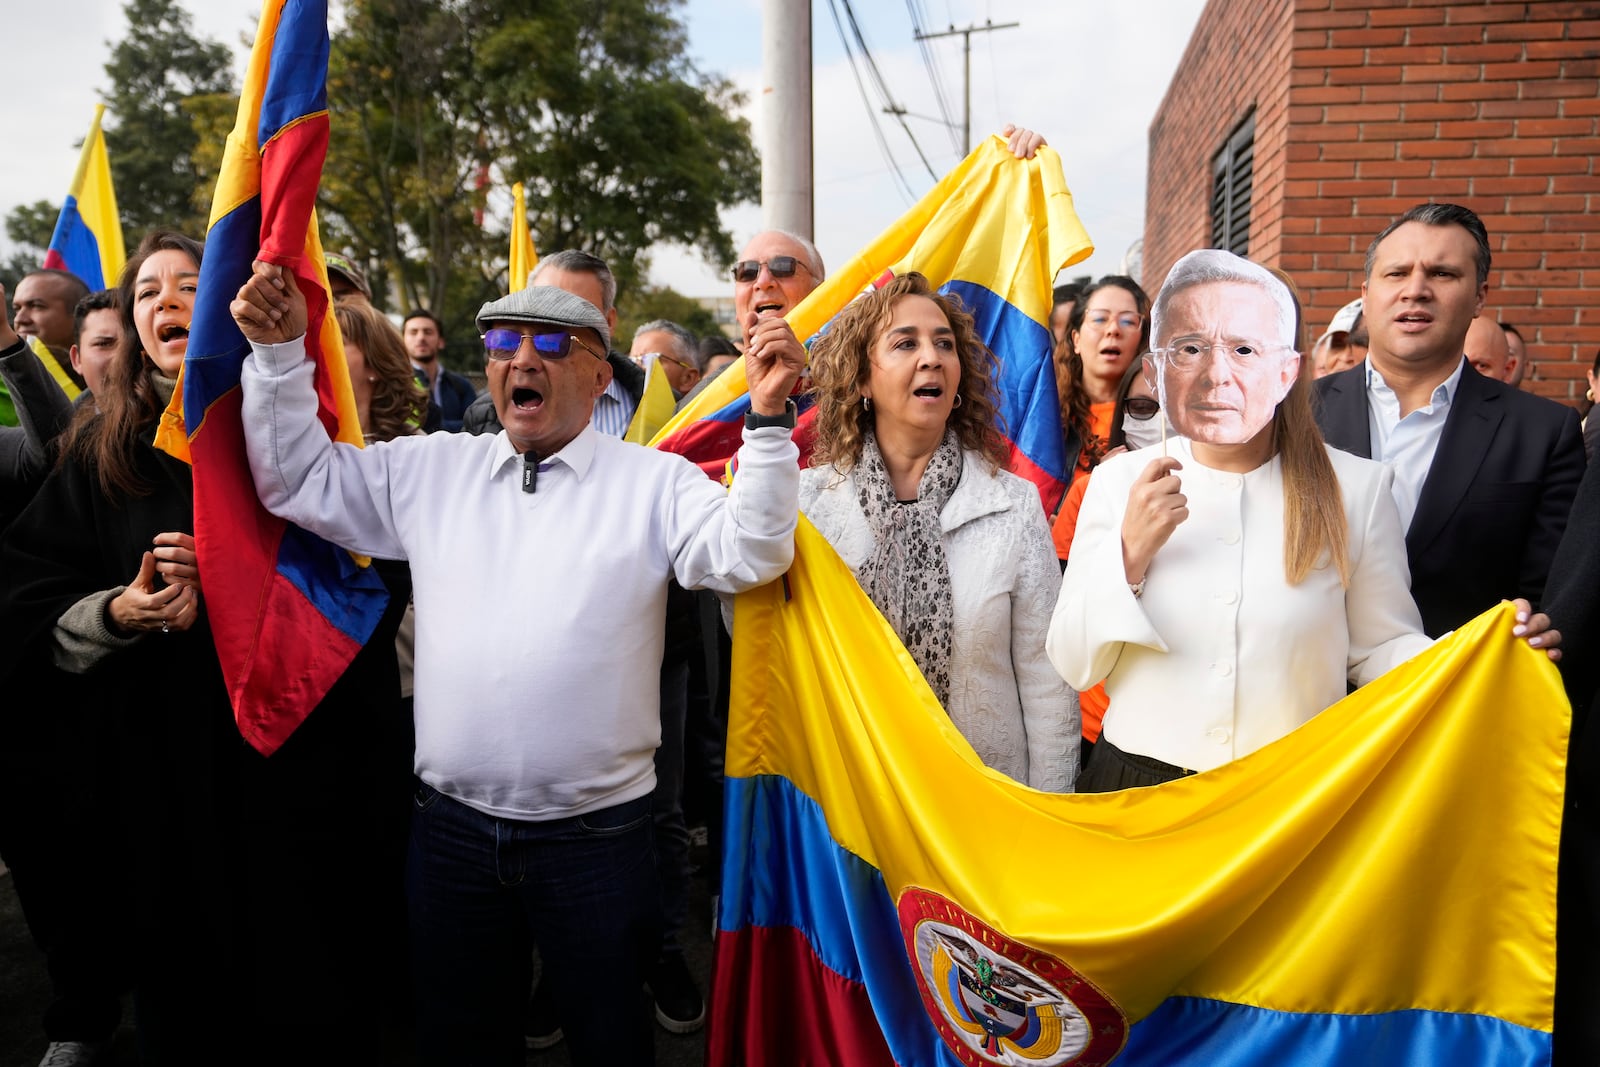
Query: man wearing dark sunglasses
x=580 y=274
x=776 y=271
x=540 y=558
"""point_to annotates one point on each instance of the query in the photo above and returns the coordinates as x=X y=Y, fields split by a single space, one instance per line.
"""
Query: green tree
x=620 y=141
x=33 y=224
x=638 y=305
x=399 y=188
x=154 y=71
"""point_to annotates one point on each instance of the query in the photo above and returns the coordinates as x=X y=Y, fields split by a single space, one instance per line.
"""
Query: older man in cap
x=540 y=557
x=1334 y=350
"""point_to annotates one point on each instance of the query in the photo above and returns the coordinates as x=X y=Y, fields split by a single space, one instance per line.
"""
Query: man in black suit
x=1484 y=474
x=1573 y=602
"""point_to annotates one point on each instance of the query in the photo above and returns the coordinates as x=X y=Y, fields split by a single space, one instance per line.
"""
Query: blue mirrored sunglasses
x=503 y=344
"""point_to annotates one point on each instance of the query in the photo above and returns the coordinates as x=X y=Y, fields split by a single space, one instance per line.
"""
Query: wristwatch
x=753 y=421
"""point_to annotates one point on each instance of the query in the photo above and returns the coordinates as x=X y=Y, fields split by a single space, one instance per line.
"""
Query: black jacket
x=1495 y=501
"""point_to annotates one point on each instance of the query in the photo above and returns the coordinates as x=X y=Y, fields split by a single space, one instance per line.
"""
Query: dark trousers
x=66 y=845
x=480 y=889
x=1109 y=769
x=673 y=868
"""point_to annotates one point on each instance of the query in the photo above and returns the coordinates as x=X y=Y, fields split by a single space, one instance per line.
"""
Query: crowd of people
x=1255 y=525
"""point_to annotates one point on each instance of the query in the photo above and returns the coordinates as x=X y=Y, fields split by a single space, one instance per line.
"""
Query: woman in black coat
x=261 y=884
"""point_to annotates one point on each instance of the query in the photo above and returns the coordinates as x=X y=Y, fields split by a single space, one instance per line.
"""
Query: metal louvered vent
x=1231 y=174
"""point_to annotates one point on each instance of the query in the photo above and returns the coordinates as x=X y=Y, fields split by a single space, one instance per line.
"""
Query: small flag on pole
x=88 y=236
x=523 y=257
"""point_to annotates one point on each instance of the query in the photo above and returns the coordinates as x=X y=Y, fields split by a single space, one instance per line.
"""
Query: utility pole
x=966 y=69
x=786 y=179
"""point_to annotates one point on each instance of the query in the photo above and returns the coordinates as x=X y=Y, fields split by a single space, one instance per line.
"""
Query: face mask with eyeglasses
x=1141 y=427
x=1186 y=352
x=501 y=344
x=748 y=270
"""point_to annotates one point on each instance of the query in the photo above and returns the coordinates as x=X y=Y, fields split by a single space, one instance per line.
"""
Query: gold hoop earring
x=866 y=404
x=957 y=402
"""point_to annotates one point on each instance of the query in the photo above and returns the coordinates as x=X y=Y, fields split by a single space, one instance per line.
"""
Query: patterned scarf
x=907 y=575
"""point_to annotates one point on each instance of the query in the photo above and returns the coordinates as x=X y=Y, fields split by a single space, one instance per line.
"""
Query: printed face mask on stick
x=1219 y=369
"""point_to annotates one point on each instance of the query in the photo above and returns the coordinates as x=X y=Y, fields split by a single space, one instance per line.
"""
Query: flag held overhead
x=287 y=610
x=994 y=232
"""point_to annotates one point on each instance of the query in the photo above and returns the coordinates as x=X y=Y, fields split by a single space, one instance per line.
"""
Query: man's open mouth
x=526 y=399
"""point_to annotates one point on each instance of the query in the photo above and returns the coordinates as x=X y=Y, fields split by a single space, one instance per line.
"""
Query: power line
x=919 y=18
x=872 y=115
x=966 y=36
x=883 y=87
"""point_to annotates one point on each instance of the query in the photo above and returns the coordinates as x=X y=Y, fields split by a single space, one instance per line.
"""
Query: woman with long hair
x=906 y=483
x=254 y=925
x=389 y=402
x=1228 y=604
x=1106 y=334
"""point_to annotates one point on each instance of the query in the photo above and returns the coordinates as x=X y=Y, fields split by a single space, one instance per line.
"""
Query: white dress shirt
x=1220 y=655
x=1407 y=444
x=540 y=617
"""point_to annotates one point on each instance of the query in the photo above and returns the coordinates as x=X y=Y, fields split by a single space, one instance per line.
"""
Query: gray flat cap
x=545 y=303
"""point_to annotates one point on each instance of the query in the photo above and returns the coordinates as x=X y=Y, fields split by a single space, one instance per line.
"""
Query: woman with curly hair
x=906 y=483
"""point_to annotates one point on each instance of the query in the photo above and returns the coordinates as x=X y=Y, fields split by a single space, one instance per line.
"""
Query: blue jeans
x=481 y=889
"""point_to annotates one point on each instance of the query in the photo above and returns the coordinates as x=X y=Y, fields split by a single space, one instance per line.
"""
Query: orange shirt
x=1100 y=418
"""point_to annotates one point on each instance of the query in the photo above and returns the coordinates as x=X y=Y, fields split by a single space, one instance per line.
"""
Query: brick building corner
x=1344 y=113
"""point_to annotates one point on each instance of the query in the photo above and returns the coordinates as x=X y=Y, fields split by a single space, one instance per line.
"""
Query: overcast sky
x=1088 y=75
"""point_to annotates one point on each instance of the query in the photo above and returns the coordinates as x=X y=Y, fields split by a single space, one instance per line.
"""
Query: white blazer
x=1005 y=698
x=1220 y=655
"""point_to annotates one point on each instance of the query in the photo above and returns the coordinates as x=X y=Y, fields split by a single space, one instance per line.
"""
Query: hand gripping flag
x=1376 y=887
x=88 y=236
x=288 y=611
x=523 y=257
x=994 y=232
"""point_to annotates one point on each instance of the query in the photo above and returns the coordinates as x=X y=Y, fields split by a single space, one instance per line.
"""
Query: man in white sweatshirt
x=540 y=558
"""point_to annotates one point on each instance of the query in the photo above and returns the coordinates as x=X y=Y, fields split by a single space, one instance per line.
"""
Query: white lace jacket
x=1005 y=697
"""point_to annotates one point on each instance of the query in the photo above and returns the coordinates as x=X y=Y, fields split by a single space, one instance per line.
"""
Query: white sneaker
x=74 y=1053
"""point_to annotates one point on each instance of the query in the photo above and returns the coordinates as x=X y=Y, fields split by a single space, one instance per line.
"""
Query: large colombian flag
x=288 y=611
x=88 y=236
x=1378 y=887
x=995 y=232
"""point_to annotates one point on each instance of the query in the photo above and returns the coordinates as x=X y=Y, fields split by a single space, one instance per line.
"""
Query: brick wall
x=1238 y=58
x=1492 y=105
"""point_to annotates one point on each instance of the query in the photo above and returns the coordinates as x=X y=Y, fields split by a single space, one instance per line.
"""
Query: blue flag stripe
x=1213 y=1033
x=297 y=79
x=77 y=245
x=1027 y=385
x=836 y=899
